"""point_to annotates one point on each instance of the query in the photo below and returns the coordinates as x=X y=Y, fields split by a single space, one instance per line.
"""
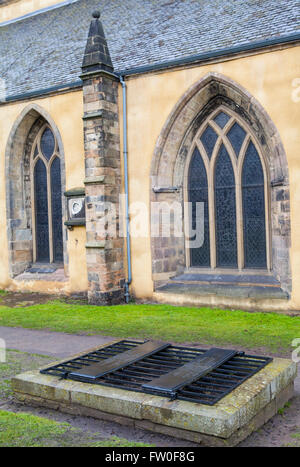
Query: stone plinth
x=226 y=423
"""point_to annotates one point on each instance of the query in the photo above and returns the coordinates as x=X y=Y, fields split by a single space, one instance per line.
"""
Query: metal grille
x=206 y=390
x=64 y=368
x=220 y=382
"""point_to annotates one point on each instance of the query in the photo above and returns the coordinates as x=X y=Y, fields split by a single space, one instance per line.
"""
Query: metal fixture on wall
x=125 y=153
x=75 y=207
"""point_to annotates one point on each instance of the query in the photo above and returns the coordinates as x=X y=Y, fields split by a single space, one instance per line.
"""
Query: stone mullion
x=49 y=200
x=32 y=165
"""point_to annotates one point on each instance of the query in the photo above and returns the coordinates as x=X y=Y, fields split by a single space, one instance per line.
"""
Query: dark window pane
x=197 y=192
x=225 y=211
x=254 y=210
x=35 y=152
x=208 y=139
x=56 y=210
x=252 y=168
x=236 y=136
x=41 y=212
x=47 y=143
x=221 y=119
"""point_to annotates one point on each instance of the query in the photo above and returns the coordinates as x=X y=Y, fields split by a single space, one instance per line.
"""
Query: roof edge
x=229 y=51
x=41 y=92
x=37 y=12
x=192 y=59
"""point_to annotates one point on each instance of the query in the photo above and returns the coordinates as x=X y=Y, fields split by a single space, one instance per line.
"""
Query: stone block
x=226 y=423
x=32 y=384
x=115 y=401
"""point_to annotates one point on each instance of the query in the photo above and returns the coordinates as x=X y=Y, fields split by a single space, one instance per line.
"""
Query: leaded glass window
x=225 y=211
x=222 y=119
x=47 y=143
x=41 y=211
x=198 y=192
x=254 y=210
x=227 y=172
x=208 y=139
x=55 y=179
x=46 y=194
x=236 y=136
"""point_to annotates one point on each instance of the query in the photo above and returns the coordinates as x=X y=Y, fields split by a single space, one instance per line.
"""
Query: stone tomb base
x=226 y=423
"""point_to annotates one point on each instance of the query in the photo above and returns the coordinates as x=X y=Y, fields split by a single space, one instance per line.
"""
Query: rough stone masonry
x=104 y=247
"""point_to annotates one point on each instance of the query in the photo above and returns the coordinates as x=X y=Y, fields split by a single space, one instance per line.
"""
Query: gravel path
x=56 y=344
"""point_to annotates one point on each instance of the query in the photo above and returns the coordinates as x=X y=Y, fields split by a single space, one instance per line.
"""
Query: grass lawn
x=296 y=437
x=26 y=430
x=18 y=362
x=271 y=331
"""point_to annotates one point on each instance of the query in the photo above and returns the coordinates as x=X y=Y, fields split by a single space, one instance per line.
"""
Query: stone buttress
x=104 y=247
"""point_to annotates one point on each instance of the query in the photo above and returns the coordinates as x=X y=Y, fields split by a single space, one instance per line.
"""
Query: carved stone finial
x=96 y=55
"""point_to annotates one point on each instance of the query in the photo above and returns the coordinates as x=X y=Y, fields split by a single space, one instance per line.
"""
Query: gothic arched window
x=46 y=196
x=227 y=173
x=198 y=192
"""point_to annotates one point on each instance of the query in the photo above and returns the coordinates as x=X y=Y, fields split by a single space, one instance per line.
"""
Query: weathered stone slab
x=52 y=389
x=110 y=400
x=231 y=279
x=223 y=290
x=183 y=297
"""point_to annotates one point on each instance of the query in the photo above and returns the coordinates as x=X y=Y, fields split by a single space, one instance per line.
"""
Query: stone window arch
x=20 y=200
x=46 y=195
x=226 y=171
x=169 y=167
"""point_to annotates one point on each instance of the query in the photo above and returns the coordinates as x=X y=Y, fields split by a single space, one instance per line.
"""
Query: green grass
x=17 y=362
x=21 y=429
x=295 y=443
x=26 y=430
x=271 y=331
x=283 y=409
x=3 y=293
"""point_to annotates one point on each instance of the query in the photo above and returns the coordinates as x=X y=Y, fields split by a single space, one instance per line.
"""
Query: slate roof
x=47 y=49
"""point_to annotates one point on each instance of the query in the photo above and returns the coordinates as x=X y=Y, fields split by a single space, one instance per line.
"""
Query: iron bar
x=208 y=389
